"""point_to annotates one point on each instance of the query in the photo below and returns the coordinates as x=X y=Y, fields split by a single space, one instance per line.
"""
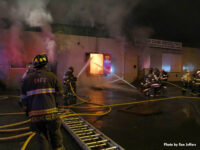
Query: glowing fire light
x=96 y=59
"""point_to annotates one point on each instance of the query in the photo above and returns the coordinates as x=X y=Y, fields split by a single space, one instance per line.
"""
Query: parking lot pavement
x=143 y=126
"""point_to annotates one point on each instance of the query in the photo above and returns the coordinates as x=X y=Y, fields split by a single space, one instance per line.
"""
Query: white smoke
x=35 y=14
x=50 y=43
x=32 y=12
x=38 y=18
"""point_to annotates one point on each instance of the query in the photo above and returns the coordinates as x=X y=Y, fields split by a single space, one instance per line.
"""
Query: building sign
x=164 y=44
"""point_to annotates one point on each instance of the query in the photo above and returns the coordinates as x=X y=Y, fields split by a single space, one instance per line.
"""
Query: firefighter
x=156 y=72
x=155 y=86
x=151 y=85
x=196 y=82
x=39 y=93
x=187 y=79
x=146 y=84
x=163 y=79
x=68 y=79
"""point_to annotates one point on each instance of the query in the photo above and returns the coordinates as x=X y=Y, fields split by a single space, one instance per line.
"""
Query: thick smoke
x=34 y=14
x=104 y=14
x=107 y=14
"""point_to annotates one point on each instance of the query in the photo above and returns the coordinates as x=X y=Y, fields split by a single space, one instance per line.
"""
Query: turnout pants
x=48 y=131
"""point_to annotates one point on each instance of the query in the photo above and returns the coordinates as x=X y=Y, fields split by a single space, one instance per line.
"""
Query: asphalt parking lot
x=167 y=124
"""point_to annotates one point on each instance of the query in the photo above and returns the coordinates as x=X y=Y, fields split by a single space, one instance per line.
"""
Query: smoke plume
x=17 y=44
x=107 y=14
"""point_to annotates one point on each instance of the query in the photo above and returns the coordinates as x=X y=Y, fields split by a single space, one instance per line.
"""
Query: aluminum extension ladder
x=87 y=136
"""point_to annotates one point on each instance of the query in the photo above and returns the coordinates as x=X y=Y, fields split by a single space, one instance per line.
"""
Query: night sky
x=176 y=20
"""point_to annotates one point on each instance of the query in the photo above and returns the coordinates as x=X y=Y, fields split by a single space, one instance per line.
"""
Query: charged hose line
x=3 y=97
x=142 y=101
x=83 y=114
x=14 y=130
x=14 y=124
x=63 y=116
x=84 y=100
x=15 y=136
x=28 y=140
x=87 y=114
x=71 y=106
x=184 y=89
x=16 y=113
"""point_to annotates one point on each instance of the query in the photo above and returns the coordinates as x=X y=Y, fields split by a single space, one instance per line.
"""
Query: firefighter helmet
x=71 y=68
x=40 y=60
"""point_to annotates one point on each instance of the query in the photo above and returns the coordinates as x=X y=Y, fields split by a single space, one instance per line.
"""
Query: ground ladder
x=87 y=136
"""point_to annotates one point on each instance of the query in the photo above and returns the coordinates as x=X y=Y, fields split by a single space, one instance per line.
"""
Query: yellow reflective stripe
x=41 y=91
x=43 y=111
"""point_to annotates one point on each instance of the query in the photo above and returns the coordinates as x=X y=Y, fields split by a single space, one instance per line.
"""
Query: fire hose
x=75 y=106
x=14 y=124
x=14 y=130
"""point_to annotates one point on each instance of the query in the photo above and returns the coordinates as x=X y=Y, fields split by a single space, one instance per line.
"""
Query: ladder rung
x=110 y=148
x=85 y=133
x=68 y=119
x=89 y=136
x=83 y=130
x=97 y=142
x=97 y=145
x=79 y=129
x=90 y=139
x=74 y=122
x=78 y=126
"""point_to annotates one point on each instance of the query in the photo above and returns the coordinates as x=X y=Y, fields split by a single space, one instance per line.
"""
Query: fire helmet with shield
x=40 y=61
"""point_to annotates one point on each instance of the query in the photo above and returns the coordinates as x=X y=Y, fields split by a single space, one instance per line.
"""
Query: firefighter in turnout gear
x=187 y=79
x=69 y=78
x=196 y=83
x=146 y=84
x=151 y=84
x=39 y=93
x=163 y=79
x=163 y=75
